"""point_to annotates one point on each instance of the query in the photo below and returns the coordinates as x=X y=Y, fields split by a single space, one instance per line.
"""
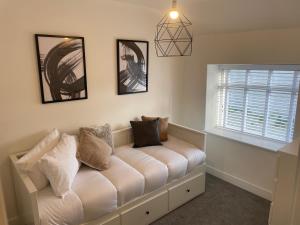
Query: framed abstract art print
x=132 y=60
x=62 y=68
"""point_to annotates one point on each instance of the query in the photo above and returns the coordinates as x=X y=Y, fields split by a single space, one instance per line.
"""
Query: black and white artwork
x=132 y=66
x=61 y=61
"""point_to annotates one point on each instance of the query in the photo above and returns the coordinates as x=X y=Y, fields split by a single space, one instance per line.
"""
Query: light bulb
x=173 y=14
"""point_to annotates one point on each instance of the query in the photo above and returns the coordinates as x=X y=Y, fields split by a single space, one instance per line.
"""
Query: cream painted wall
x=255 y=47
x=252 y=167
x=24 y=120
x=246 y=166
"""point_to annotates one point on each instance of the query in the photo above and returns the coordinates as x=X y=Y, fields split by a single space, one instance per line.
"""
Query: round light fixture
x=173 y=35
x=173 y=14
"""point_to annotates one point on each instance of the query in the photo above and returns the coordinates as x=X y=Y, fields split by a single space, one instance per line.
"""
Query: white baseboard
x=262 y=192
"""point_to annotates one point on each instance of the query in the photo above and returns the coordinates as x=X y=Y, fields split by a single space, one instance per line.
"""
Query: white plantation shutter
x=259 y=102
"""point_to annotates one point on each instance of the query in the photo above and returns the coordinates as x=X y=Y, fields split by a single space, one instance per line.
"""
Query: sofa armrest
x=197 y=138
x=26 y=193
x=28 y=184
x=122 y=137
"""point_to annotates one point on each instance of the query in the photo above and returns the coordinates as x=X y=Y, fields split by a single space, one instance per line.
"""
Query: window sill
x=270 y=145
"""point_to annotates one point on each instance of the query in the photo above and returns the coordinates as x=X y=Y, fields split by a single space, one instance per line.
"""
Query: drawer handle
x=188 y=190
x=147 y=212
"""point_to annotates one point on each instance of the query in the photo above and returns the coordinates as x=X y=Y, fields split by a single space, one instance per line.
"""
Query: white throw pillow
x=60 y=165
x=28 y=163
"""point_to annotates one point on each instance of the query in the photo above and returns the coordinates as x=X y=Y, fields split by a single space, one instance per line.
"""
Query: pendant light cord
x=174 y=4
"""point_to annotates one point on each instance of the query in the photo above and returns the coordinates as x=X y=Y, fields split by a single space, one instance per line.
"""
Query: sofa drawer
x=146 y=212
x=186 y=191
x=157 y=207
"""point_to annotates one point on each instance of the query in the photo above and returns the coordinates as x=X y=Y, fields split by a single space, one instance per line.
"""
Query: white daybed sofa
x=140 y=186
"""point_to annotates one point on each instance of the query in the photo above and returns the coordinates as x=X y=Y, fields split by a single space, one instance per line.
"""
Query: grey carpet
x=221 y=204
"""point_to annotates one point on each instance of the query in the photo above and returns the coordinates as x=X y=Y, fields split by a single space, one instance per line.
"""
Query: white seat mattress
x=193 y=154
x=127 y=180
x=59 y=211
x=154 y=171
x=176 y=163
x=132 y=173
x=97 y=194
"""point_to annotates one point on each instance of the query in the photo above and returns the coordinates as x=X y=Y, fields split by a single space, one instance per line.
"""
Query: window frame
x=268 y=89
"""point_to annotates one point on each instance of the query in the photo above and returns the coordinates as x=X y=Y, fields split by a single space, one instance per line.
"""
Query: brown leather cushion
x=145 y=133
x=163 y=126
x=93 y=151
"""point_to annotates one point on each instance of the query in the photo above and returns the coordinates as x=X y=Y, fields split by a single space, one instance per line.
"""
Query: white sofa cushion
x=127 y=180
x=193 y=154
x=29 y=162
x=97 y=194
x=154 y=171
x=176 y=163
x=60 y=165
x=54 y=210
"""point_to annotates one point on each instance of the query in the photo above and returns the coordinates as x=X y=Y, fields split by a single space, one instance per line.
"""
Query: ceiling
x=211 y=16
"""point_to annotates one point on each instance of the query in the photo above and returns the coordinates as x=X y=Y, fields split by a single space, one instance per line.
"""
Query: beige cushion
x=93 y=151
x=163 y=126
x=103 y=132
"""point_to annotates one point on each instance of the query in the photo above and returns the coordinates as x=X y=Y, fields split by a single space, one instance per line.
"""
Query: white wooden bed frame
x=140 y=211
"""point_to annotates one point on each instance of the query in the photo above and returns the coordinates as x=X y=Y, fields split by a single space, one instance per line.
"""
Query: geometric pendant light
x=173 y=34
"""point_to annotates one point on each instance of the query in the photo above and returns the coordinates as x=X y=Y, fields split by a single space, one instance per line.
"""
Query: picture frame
x=132 y=66
x=62 y=68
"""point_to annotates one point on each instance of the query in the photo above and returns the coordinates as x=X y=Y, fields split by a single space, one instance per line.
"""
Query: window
x=259 y=102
